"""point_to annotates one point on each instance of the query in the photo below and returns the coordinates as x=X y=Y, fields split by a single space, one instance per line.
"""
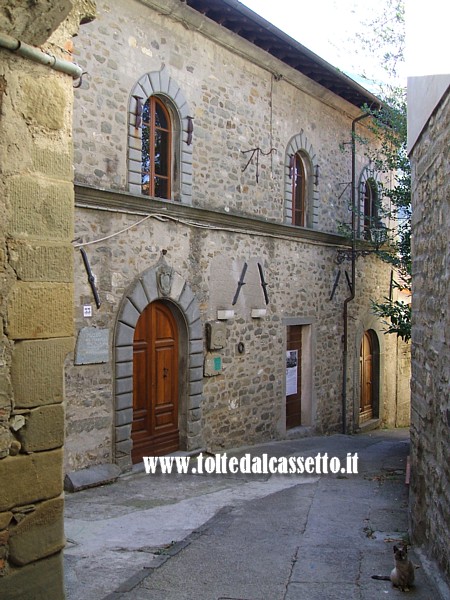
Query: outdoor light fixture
x=377 y=237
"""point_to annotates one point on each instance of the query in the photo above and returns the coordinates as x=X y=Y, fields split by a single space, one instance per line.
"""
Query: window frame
x=301 y=145
x=156 y=102
x=299 y=201
x=164 y=86
x=370 y=207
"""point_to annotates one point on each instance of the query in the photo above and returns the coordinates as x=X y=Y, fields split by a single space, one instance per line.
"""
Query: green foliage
x=396 y=315
x=389 y=126
x=390 y=158
x=385 y=37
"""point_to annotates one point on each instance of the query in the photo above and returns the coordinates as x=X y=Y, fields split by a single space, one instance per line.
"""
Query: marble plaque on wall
x=92 y=346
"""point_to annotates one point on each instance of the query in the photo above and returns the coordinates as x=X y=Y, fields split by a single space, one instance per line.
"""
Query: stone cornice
x=124 y=202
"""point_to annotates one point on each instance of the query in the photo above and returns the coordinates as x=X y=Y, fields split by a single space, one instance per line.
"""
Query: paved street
x=248 y=537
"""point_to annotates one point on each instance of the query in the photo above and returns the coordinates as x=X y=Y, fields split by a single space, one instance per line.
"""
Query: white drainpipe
x=32 y=53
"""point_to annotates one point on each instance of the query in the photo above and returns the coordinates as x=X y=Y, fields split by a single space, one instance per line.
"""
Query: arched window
x=160 y=137
x=371 y=215
x=299 y=191
x=156 y=149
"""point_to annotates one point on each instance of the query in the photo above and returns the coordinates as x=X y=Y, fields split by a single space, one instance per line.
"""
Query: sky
x=427 y=40
x=327 y=27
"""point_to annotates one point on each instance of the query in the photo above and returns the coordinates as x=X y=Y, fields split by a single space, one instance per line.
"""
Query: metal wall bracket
x=91 y=277
x=256 y=151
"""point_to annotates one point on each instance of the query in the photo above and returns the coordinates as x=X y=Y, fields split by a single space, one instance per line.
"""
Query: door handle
x=165 y=372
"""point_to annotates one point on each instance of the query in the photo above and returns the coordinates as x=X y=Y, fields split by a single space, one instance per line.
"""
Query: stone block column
x=36 y=299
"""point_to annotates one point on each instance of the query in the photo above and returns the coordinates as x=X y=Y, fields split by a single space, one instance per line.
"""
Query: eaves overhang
x=241 y=20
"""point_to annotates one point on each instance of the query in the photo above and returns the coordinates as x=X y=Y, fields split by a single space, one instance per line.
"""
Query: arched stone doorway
x=162 y=285
x=369 y=398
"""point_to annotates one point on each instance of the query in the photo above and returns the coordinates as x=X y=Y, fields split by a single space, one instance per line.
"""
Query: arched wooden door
x=367 y=378
x=155 y=383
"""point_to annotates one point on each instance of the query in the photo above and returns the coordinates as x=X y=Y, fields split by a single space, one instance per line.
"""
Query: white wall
x=428 y=62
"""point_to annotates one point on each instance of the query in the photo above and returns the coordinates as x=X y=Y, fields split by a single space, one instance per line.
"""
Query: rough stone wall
x=33 y=24
x=224 y=91
x=245 y=403
x=397 y=380
x=430 y=400
x=36 y=307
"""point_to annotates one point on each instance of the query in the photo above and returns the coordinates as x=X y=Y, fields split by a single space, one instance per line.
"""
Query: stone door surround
x=179 y=296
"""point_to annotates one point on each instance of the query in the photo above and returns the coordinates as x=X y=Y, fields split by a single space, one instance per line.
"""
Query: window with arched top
x=301 y=194
x=370 y=210
x=160 y=137
x=156 y=149
x=299 y=191
x=369 y=213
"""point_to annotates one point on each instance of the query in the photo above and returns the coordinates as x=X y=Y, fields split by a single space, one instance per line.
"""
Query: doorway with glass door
x=294 y=376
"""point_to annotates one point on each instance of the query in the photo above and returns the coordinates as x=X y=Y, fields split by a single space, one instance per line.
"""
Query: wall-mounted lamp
x=378 y=235
x=316 y=175
x=223 y=315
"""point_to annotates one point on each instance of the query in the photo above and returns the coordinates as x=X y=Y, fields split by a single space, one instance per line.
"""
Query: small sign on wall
x=87 y=310
x=291 y=372
x=213 y=365
x=92 y=346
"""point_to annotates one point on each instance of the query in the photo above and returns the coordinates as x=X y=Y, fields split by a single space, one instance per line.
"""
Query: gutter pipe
x=353 y=277
x=36 y=55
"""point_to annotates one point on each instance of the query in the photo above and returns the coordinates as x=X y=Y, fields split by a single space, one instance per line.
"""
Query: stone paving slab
x=243 y=538
x=322 y=591
x=326 y=565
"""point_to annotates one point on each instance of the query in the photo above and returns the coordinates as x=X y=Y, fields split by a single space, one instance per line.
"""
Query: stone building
x=213 y=168
x=428 y=140
x=36 y=288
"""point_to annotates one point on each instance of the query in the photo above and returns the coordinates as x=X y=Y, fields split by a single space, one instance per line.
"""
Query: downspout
x=353 y=277
x=32 y=53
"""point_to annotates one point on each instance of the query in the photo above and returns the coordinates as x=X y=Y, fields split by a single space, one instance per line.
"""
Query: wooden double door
x=155 y=383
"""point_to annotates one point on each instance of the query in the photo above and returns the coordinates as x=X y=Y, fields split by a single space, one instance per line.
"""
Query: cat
x=402 y=575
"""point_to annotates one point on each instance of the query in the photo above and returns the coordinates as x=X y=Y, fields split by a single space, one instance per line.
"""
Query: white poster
x=291 y=372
